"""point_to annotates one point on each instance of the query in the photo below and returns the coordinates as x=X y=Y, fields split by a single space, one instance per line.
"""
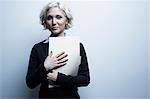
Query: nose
x=53 y=21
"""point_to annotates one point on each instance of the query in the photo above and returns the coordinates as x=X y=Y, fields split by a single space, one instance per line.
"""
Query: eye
x=49 y=17
x=58 y=17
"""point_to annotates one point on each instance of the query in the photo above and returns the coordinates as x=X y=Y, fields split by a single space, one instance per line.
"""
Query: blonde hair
x=43 y=14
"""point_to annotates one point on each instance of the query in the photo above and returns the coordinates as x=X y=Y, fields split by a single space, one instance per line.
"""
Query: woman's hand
x=52 y=62
x=52 y=75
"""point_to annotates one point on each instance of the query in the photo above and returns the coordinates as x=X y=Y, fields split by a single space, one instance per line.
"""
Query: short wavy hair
x=43 y=14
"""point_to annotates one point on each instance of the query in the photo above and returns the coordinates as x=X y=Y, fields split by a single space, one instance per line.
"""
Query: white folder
x=71 y=46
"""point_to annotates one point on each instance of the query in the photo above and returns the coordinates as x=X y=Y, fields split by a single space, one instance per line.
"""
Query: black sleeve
x=83 y=76
x=36 y=71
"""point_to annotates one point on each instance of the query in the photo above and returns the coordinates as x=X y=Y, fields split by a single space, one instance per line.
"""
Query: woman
x=56 y=18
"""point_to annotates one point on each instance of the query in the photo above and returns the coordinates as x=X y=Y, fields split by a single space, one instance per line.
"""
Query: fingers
x=58 y=60
x=60 y=65
x=63 y=60
x=62 y=56
x=59 y=54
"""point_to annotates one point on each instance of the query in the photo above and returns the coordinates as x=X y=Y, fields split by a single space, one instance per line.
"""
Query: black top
x=37 y=73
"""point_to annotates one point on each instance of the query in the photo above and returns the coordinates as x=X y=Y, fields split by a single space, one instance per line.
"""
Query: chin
x=55 y=34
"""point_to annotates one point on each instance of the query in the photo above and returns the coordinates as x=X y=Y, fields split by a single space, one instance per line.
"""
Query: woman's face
x=56 y=21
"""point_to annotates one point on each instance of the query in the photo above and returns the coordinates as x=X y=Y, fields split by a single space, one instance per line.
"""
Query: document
x=71 y=46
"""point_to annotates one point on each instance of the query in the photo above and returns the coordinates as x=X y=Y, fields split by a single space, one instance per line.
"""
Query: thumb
x=51 y=53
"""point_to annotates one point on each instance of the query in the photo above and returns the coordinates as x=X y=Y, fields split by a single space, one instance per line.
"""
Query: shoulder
x=40 y=44
x=81 y=46
x=82 y=50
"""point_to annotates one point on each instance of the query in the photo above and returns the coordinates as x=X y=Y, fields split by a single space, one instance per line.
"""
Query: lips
x=54 y=28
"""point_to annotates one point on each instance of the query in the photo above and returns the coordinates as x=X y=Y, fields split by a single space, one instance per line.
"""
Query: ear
x=66 y=24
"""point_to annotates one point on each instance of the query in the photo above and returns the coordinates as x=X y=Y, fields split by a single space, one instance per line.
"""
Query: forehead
x=55 y=11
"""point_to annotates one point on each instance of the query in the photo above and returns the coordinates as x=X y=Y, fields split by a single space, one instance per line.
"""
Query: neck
x=60 y=35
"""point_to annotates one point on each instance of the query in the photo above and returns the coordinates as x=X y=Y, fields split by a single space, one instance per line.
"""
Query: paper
x=71 y=46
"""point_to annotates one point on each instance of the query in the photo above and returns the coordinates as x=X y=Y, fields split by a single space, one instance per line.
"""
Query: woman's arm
x=36 y=71
x=83 y=76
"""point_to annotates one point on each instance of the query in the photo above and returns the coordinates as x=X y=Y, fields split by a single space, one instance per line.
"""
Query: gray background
x=115 y=34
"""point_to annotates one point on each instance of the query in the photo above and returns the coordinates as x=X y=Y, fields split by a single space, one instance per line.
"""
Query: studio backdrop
x=115 y=34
